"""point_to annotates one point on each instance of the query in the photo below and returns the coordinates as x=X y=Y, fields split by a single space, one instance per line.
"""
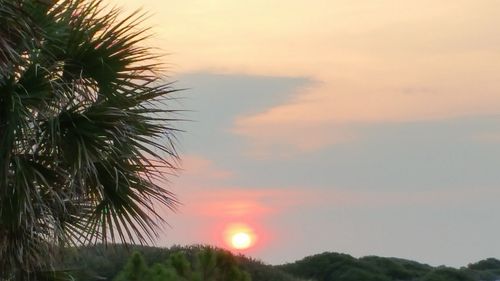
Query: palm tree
x=85 y=131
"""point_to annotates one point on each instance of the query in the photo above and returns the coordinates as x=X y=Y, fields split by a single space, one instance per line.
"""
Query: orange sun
x=240 y=237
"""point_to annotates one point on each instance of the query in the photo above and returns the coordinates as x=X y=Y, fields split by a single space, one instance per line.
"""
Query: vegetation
x=82 y=131
x=189 y=263
x=206 y=264
x=184 y=263
x=341 y=267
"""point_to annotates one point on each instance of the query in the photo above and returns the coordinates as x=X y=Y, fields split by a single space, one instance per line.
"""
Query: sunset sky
x=369 y=127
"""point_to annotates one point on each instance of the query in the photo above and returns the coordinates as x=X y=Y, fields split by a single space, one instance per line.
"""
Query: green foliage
x=447 y=274
x=159 y=272
x=84 y=131
x=135 y=270
x=485 y=270
x=204 y=264
x=396 y=269
x=487 y=264
x=180 y=265
x=207 y=263
x=333 y=266
x=260 y=271
x=340 y=267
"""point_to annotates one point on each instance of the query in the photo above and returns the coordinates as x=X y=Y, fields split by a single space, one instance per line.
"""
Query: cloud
x=205 y=190
x=448 y=88
x=200 y=169
x=426 y=61
x=275 y=139
x=247 y=203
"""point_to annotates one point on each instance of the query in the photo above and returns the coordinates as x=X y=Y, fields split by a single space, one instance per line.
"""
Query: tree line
x=198 y=262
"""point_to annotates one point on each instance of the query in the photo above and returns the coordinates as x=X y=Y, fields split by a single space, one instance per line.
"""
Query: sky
x=356 y=126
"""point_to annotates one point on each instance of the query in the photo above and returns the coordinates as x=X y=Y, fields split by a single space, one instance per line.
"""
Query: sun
x=241 y=240
x=240 y=236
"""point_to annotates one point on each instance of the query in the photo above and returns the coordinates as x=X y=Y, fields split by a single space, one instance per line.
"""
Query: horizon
x=235 y=253
x=366 y=128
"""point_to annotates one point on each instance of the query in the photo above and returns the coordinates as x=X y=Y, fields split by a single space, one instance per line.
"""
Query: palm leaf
x=84 y=131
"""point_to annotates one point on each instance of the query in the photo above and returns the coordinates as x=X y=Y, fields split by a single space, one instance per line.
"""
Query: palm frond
x=84 y=133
